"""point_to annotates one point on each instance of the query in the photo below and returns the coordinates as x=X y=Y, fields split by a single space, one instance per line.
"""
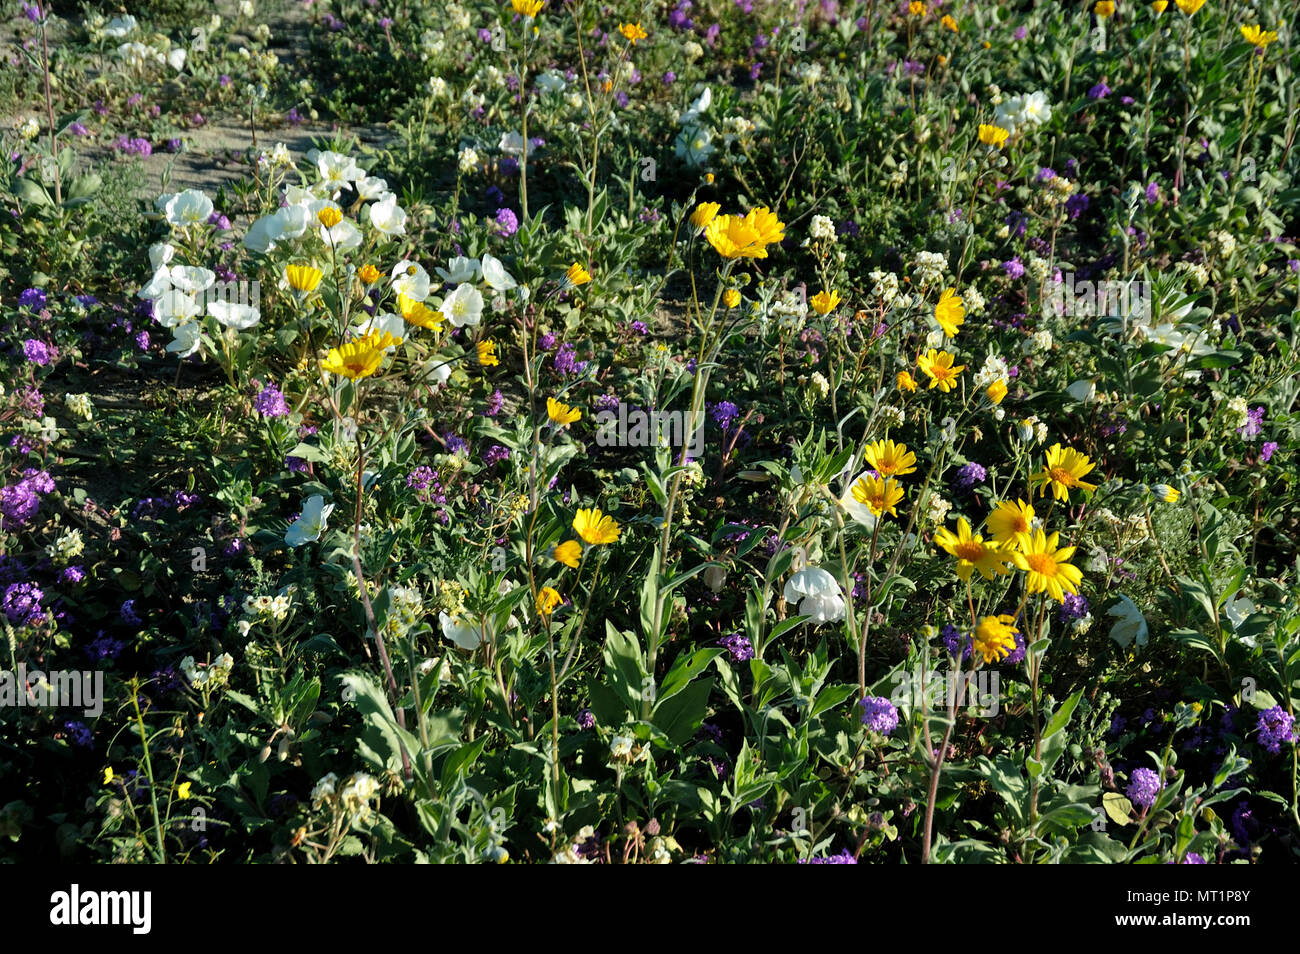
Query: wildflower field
x=689 y=431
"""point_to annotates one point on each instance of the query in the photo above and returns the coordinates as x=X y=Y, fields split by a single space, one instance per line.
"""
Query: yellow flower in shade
x=731 y=298
x=108 y=776
x=950 y=312
x=992 y=135
x=879 y=495
x=950 y=23
x=577 y=275
x=369 y=274
x=916 y=8
x=1062 y=472
x=1166 y=493
x=595 y=527
x=569 y=553
x=417 y=313
x=560 y=413
x=632 y=32
x=183 y=791
x=1104 y=9
x=487 y=353
x=547 y=600
x=1257 y=37
x=302 y=278
x=1159 y=6
x=939 y=368
x=996 y=391
x=905 y=381
x=995 y=637
x=708 y=177
x=745 y=236
x=1048 y=568
x=704 y=213
x=359 y=358
x=972 y=552
x=891 y=460
x=824 y=302
x=329 y=216
x=1011 y=523
x=527 y=8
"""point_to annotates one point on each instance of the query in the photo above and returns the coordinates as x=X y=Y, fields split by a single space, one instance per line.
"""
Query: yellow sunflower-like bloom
x=731 y=298
x=1048 y=568
x=938 y=366
x=996 y=391
x=595 y=527
x=1063 y=471
x=560 y=413
x=329 y=216
x=950 y=312
x=632 y=32
x=972 y=552
x=1257 y=37
x=487 y=353
x=824 y=302
x=1011 y=523
x=745 y=236
x=417 y=313
x=368 y=274
x=302 y=278
x=569 y=553
x=359 y=358
x=879 y=495
x=992 y=135
x=1104 y=9
x=577 y=275
x=889 y=459
x=527 y=8
x=995 y=637
x=705 y=213
x=905 y=381
x=547 y=600
x=1190 y=6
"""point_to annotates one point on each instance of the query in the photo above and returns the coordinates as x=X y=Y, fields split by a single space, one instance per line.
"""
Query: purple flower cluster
x=968 y=476
x=1275 y=726
x=19 y=502
x=38 y=352
x=1254 y=424
x=270 y=402
x=33 y=298
x=1143 y=787
x=133 y=147
x=565 y=361
x=424 y=481
x=22 y=604
x=495 y=454
x=1074 y=607
x=739 y=646
x=724 y=414
x=879 y=714
x=953 y=638
x=586 y=719
x=495 y=403
x=1266 y=451
x=843 y=858
x=507 y=223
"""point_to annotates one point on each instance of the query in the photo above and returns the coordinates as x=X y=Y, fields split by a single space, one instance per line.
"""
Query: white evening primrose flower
x=460 y=269
x=495 y=274
x=410 y=279
x=185 y=339
x=387 y=216
x=189 y=278
x=460 y=632
x=818 y=595
x=1132 y=625
x=371 y=187
x=311 y=522
x=160 y=254
x=511 y=144
x=1083 y=391
x=188 y=208
x=464 y=306
x=233 y=315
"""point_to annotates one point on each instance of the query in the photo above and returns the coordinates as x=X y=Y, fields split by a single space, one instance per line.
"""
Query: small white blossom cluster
x=822 y=229
x=885 y=286
x=928 y=267
x=973 y=300
x=1016 y=111
x=1030 y=429
x=80 y=405
x=993 y=369
x=68 y=546
x=211 y=676
x=353 y=796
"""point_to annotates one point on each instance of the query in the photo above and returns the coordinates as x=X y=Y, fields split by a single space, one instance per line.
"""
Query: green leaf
x=679 y=716
x=1118 y=808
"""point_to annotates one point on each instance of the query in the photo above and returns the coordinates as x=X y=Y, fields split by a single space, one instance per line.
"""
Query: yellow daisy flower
x=824 y=302
x=992 y=135
x=359 y=358
x=879 y=495
x=1063 y=472
x=1011 y=523
x=889 y=459
x=560 y=413
x=939 y=368
x=747 y=236
x=594 y=527
x=972 y=552
x=302 y=278
x=569 y=553
x=1048 y=568
x=995 y=637
x=950 y=312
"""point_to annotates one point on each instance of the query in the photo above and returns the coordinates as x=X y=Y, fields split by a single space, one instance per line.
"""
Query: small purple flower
x=22 y=604
x=1266 y=452
x=586 y=719
x=79 y=734
x=72 y=575
x=669 y=78
x=1076 y=205
x=953 y=638
x=38 y=352
x=1074 y=607
x=1275 y=726
x=270 y=402
x=879 y=714
x=455 y=444
x=1014 y=268
x=295 y=465
x=1100 y=91
x=507 y=223
x=843 y=858
x=1254 y=423
x=968 y=477
x=724 y=414
x=495 y=454
x=1192 y=858
x=495 y=403
x=1153 y=193
x=33 y=298
x=1143 y=787
x=738 y=645
x=129 y=615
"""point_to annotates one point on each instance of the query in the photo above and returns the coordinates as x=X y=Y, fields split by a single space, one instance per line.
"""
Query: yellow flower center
x=1041 y=563
x=970 y=551
x=1060 y=475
